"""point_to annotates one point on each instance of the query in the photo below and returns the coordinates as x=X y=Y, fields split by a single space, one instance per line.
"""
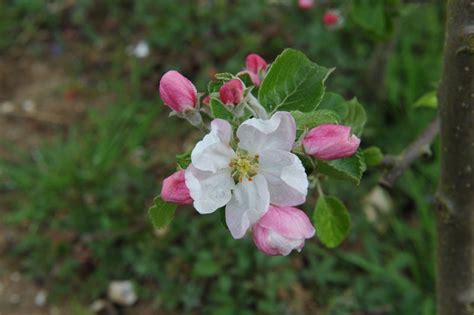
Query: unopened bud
x=232 y=92
x=177 y=92
x=175 y=189
x=330 y=142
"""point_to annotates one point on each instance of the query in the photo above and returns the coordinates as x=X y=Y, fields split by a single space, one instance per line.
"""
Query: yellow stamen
x=244 y=166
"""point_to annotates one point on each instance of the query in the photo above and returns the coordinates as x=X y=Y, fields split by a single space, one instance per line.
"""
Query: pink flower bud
x=175 y=190
x=306 y=4
x=331 y=18
x=178 y=92
x=255 y=64
x=232 y=92
x=281 y=230
x=330 y=142
x=206 y=100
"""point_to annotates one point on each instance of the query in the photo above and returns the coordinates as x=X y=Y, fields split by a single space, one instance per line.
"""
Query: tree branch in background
x=455 y=200
x=398 y=164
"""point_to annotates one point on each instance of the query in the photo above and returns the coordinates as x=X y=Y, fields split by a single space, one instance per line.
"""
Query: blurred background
x=85 y=142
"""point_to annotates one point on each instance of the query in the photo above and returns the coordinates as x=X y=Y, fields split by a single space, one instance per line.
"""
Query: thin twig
x=319 y=188
x=41 y=117
x=398 y=164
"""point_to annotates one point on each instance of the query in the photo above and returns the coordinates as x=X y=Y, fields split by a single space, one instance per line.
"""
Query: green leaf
x=332 y=221
x=351 y=113
x=219 y=111
x=350 y=168
x=355 y=116
x=373 y=156
x=429 y=99
x=313 y=119
x=205 y=265
x=293 y=83
x=183 y=160
x=224 y=76
x=161 y=213
x=245 y=77
x=376 y=17
x=334 y=102
x=214 y=86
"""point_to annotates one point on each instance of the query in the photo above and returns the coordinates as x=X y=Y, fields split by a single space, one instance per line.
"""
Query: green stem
x=319 y=188
x=251 y=110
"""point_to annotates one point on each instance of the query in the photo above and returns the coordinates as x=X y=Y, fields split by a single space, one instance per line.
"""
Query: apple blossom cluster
x=249 y=164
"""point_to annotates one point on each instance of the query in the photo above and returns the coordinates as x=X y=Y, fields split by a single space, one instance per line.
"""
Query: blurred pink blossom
x=332 y=18
x=306 y=4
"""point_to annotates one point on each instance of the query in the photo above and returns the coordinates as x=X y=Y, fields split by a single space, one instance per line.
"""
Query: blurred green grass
x=80 y=202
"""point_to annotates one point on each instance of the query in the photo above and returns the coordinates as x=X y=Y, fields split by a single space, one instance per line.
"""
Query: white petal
x=286 y=178
x=250 y=201
x=209 y=190
x=222 y=128
x=284 y=245
x=213 y=152
x=276 y=133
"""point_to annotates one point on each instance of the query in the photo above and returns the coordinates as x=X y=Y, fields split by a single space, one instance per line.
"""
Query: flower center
x=244 y=166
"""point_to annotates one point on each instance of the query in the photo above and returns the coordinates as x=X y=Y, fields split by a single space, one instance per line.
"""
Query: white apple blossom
x=261 y=171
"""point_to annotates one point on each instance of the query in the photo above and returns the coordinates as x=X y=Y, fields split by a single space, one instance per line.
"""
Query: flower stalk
x=257 y=108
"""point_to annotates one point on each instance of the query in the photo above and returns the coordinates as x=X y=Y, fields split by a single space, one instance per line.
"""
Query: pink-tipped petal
x=260 y=237
x=175 y=190
x=281 y=230
x=255 y=78
x=232 y=92
x=177 y=91
x=289 y=222
x=254 y=63
x=330 y=142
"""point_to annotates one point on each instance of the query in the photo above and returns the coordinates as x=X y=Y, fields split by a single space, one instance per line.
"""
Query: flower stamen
x=244 y=166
